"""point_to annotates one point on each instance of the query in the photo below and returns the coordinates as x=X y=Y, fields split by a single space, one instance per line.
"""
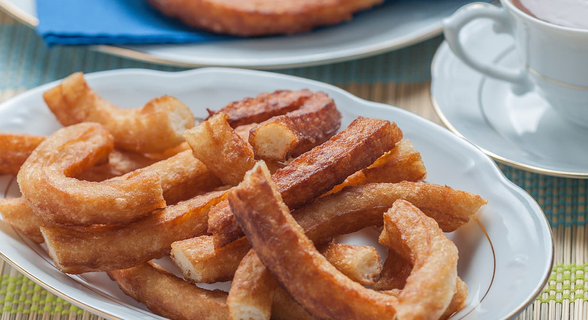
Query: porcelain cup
x=554 y=58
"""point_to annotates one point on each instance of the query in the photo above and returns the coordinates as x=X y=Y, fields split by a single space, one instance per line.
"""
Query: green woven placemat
x=399 y=78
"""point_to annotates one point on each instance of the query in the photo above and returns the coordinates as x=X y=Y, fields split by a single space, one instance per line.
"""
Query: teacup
x=554 y=58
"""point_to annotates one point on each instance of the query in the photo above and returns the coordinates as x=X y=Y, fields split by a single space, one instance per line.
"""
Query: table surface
x=400 y=78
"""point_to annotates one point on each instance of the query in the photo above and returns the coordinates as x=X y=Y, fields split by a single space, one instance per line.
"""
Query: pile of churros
x=257 y=193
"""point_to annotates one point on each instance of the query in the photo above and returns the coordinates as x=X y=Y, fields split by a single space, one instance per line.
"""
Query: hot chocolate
x=566 y=13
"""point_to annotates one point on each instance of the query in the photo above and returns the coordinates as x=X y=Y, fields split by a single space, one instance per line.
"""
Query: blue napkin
x=72 y=22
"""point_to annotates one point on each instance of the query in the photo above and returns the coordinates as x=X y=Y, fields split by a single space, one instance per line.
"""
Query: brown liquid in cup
x=566 y=13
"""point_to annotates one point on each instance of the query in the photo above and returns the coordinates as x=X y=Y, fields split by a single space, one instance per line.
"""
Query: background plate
x=504 y=269
x=390 y=27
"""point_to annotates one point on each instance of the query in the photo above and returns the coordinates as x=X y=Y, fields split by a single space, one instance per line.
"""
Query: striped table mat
x=400 y=78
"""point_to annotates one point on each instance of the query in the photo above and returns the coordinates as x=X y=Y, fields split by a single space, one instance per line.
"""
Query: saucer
x=521 y=131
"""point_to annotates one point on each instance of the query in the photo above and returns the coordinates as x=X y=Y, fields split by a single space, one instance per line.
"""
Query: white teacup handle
x=454 y=24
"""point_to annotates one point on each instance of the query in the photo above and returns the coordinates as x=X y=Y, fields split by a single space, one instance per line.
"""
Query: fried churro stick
x=15 y=148
x=311 y=280
x=263 y=107
x=363 y=206
x=169 y=296
x=285 y=308
x=431 y=284
x=99 y=248
x=201 y=263
x=394 y=272
x=360 y=263
x=158 y=126
x=296 y=132
x=16 y=212
x=183 y=177
x=317 y=171
x=221 y=149
x=348 y=211
x=243 y=131
x=44 y=180
x=458 y=301
x=253 y=288
x=402 y=163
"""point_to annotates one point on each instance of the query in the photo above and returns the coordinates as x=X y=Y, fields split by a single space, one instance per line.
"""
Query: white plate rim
x=318 y=59
x=443 y=49
x=500 y=177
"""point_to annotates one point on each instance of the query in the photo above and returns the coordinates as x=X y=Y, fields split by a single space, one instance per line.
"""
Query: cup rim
x=545 y=24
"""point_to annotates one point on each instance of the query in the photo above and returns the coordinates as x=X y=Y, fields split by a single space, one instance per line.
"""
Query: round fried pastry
x=46 y=184
x=156 y=127
x=431 y=284
x=261 y=17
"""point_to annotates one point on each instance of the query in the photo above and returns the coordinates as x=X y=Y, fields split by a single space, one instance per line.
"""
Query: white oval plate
x=522 y=131
x=504 y=269
x=390 y=27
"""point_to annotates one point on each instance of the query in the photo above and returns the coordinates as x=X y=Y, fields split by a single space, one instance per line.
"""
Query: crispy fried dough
x=330 y=163
x=393 y=279
x=119 y=163
x=201 y=263
x=169 y=152
x=296 y=132
x=16 y=212
x=261 y=17
x=263 y=107
x=431 y=284
x=15 y=148
x=183 y=177
x=252 y=290
x=318 y=170
x=221 y=149
x=285 y=308
x=348 y=211
x=169 y=296
x=157 y=126
x=311 y=280
x=360 y=263
x=402 y=163
x=456 y=304
x=394 y=272
x=363 y=206
x=243 y=131
x=458 y=301
x=100 y=248
x=44 y=180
